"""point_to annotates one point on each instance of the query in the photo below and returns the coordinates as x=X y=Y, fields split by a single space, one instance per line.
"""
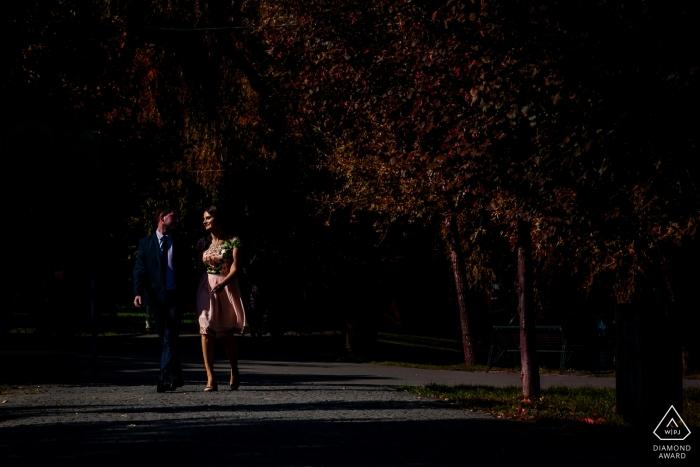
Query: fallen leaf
x=3 y=401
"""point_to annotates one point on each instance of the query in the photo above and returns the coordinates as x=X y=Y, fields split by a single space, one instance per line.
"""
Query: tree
x=440 y=115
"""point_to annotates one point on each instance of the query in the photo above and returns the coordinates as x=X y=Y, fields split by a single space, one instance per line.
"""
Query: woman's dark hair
x=213 y=210
x=228 y=218
x=219 y=214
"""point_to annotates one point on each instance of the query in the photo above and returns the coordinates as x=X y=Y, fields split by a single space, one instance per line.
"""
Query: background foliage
x=341 y=135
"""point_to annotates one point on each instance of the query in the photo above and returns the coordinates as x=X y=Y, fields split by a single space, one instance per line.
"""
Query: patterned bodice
x=219 y=258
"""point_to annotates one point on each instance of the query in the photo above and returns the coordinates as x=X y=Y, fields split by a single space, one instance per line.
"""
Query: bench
x=547 y=339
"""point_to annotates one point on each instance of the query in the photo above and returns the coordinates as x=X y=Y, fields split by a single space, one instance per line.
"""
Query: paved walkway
x=290 y=371
x=288 y=413
x=134 y=363
x=297 y=371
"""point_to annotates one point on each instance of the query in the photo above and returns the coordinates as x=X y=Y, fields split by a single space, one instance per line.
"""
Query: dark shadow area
x=321 y=442
x=221 y=404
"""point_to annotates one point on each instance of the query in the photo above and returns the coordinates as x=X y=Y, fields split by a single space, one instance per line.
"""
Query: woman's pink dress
x=220 y=314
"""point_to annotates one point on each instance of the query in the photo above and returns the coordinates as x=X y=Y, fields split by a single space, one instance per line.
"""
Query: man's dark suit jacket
x=148 y=279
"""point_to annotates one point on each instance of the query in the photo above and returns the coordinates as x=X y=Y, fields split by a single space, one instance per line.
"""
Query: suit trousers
x=168 y=316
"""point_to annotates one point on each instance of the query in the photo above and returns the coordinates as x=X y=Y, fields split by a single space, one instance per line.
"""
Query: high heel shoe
x=236 y=378
x=215 y=387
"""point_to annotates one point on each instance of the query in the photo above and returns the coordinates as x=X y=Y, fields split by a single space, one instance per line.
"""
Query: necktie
x=164 y=258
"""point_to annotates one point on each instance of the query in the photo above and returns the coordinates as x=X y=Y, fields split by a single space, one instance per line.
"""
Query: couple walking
x=162 y=279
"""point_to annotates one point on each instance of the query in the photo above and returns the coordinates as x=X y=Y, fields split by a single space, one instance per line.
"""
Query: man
x=161 y=282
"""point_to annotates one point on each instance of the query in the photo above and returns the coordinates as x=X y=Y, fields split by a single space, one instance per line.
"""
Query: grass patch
x=558 y=405
x=421 y=342
x=402 y=350
x=133 y=322
x=19 y=389
x=691 y=406
x=482 y=368
x=432 y=353
x=455 y=367
x=112 y=321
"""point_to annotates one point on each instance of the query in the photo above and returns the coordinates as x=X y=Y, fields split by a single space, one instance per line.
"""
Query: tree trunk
x=454 y=246
x=529 y=371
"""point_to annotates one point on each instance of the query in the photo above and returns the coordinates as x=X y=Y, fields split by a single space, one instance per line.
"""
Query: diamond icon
x=672 y=427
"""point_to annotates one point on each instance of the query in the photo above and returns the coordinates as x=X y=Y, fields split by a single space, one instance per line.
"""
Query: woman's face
x=209 y=221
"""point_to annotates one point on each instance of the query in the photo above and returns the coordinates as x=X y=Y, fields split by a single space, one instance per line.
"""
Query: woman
x=219 y=302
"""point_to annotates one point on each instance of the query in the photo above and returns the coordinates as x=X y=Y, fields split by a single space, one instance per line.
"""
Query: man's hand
x=137 y=301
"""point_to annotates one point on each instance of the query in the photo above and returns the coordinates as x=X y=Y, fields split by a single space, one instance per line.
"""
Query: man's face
x=170 y=221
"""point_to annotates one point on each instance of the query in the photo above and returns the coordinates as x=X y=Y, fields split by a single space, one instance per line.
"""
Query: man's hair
x=164 y=210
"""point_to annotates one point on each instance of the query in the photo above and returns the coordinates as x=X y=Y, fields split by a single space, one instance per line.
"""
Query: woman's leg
x=208 y=351
x=232 y=354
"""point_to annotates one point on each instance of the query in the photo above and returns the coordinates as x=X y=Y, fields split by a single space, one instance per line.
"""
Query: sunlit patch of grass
x=20 y=389
x=691 y=406
x=557 y=405
x=604 y=374
x=22 y=330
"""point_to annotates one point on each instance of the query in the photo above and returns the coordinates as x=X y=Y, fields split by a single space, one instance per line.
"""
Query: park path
x=259 y=369
x=288 y=412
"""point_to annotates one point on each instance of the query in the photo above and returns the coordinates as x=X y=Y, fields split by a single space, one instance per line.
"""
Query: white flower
x=223 y=251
